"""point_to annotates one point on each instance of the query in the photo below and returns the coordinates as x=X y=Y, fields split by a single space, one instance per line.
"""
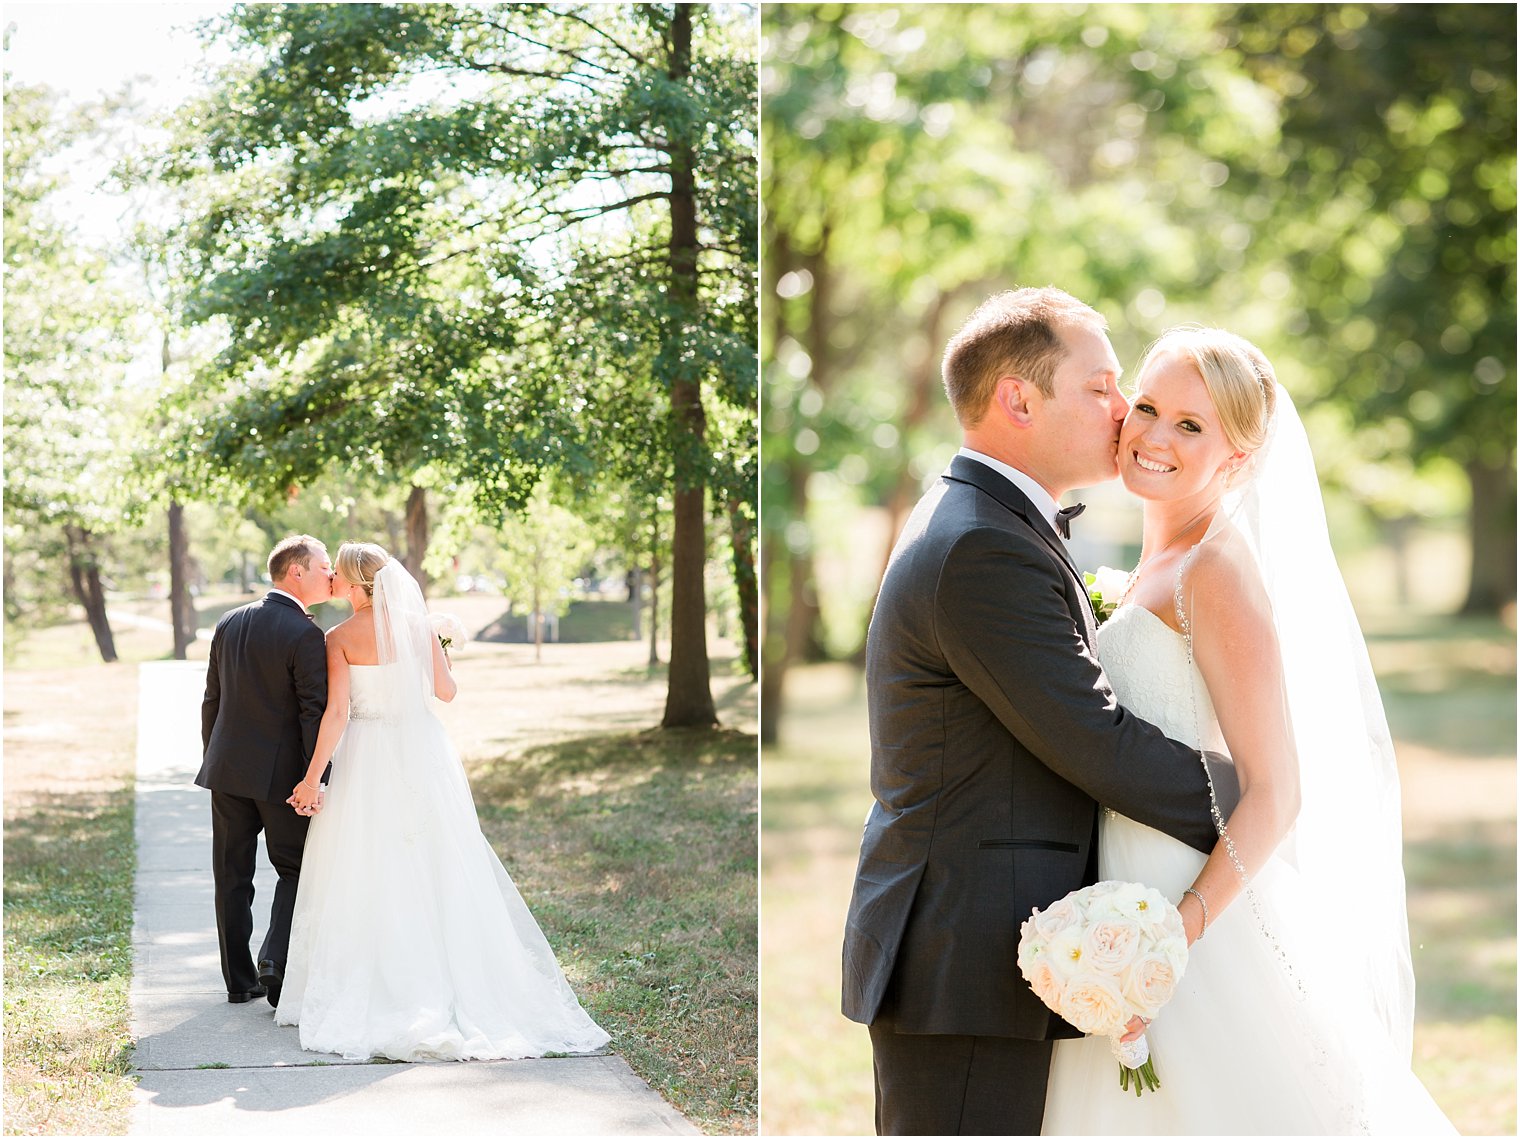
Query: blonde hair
x=1016 y=332
x=1239 y=379
x=359 y=562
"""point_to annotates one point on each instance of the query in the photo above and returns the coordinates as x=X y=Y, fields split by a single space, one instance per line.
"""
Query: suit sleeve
x=309 y=672
x=1006 y=629
x=212 y=701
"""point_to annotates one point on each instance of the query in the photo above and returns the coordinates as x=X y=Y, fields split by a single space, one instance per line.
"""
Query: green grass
x=583 y=623
x=637 y=854
x=69 y=864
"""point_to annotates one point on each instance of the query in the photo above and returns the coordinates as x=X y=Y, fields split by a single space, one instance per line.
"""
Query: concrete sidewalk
x=206 y=1067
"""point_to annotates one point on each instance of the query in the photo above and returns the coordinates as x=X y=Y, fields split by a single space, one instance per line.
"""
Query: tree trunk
x=181 y=607
x=741 y=527
x=416 y=536
x=688 y=694
x=84 y=575
x=1491 y=584
x=538 y=613
x=773 y=649
x=636 y=599
x=654 y=592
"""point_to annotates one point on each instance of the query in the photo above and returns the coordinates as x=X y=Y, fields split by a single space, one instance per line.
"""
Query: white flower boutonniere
x=1106 y=589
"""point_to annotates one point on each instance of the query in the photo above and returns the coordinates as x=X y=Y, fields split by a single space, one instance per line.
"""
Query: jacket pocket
x=1026 y=844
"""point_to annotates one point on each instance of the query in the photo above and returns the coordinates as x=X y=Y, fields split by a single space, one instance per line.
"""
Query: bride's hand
x=306 y=799
x=1136 y=1029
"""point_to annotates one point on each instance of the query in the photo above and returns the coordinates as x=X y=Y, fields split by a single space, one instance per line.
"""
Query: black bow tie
x=1064 y=517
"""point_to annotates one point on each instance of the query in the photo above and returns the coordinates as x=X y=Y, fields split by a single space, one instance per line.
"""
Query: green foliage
x=434 y=236
x=1335 y=182
x=71 y=325
x=544 y=548
x=1398 y=126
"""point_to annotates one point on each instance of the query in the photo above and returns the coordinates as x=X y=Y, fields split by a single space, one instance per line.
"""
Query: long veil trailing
x=1349 y=951
x=404 y=636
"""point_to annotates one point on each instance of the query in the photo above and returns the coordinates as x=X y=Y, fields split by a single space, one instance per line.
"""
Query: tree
x=67 y=423
x=1397 y=192
x=412 y=200
x=544 y=547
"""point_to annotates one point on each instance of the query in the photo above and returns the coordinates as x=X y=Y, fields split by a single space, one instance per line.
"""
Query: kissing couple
x=1219 y=738
x=395 y=931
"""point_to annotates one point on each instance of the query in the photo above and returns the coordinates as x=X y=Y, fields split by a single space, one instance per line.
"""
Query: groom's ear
x=1011 y=397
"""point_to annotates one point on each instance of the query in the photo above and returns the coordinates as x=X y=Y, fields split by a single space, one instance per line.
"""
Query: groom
x=994 y=734
x=266 y=688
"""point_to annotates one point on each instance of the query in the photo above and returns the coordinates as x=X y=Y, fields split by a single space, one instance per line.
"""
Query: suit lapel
x=985 y=479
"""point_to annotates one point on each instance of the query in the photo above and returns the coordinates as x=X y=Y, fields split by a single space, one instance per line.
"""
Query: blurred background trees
x=1335 y=182
x=404 y=264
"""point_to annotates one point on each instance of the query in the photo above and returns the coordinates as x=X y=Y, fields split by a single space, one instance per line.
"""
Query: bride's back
x=356 y=637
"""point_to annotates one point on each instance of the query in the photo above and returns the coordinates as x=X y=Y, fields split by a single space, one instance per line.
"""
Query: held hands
x=306 y=799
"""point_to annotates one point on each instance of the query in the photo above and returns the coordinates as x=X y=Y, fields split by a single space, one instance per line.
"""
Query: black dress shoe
x=252 y=994
x=272 y=977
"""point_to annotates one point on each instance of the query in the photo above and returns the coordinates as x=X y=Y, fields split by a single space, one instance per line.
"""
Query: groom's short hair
x=297 y=548
x=1013 y=333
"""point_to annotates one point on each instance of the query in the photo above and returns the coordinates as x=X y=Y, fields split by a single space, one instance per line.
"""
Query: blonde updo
x=1238 y=377
x=359 y=562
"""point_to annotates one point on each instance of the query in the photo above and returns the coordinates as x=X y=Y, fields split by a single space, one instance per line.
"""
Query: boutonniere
x=1106 y=590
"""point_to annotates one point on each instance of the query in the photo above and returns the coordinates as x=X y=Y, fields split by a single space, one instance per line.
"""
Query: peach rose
x=1150 y=983
x=1046 y=985
x=1110 y=944
x=1093 y=1004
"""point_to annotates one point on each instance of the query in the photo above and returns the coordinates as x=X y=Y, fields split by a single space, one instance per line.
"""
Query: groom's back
x=267 y=670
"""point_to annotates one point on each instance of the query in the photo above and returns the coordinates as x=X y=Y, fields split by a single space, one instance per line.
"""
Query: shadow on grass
x=637 y=854
x=1462 y=920
x=69 y=864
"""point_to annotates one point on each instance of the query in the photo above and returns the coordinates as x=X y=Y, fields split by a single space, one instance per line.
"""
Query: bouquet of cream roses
x=1102 y=955
x=449 y=630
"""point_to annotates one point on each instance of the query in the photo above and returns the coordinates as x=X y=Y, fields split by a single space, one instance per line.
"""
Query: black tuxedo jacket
x=994 y=737
x=266 y=689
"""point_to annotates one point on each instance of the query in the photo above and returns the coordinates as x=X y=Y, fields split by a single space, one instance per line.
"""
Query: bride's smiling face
x=1172 y=444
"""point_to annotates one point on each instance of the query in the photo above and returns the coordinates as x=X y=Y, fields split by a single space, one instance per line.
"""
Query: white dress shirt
x=297 y=600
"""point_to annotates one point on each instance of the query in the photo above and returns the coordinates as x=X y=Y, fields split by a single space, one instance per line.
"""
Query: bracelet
x=305 y=783
x=1205 y=905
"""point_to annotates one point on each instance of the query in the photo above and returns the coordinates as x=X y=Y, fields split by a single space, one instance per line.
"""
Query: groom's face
x=316 y=581
x=1081 y=420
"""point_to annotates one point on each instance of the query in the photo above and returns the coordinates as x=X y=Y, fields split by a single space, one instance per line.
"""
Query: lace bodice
x=367 y=690
x=1147 y=663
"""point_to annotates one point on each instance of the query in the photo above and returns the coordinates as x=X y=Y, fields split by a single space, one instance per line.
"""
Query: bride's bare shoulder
x=1222 y=576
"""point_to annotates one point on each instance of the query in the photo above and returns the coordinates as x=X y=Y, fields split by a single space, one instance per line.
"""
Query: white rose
x=1151 y=981
x=1110 y=944
x=1110 y=584
x=1094 y=1005
x=1063 y=952
x=1055 y=918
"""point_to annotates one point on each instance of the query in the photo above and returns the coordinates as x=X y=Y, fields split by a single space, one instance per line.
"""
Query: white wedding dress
x=409 y=940
x=1246 y=1046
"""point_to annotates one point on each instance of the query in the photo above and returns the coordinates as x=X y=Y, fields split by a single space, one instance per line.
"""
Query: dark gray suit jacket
x=266 y=689
x=994 y=737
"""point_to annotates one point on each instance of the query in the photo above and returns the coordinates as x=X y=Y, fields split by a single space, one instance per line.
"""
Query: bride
x=409 y=940
x=1234 y=633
